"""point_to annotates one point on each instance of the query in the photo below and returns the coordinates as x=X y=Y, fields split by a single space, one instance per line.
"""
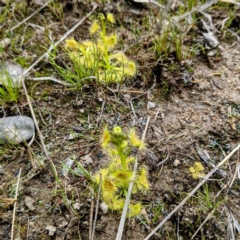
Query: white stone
x=104 y=207
x=51 y=230
x=16 y=129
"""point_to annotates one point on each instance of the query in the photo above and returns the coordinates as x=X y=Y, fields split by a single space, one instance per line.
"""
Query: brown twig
x=235 y=173
x=15 y=203
x=24 y=20
x=97 y=206
x=91 y=215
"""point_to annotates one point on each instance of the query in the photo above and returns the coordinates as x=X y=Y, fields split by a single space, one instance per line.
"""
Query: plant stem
x=122 y=157
x=105 y=44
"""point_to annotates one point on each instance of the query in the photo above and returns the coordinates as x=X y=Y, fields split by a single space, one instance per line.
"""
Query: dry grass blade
x=52 y=79
x=97 y=206
x=200 y=8
x=23 y=21
x=91 y=215
x=60 y=40
x=125 y=208
x=235 y=173
x=192 y=193
x=15 y=204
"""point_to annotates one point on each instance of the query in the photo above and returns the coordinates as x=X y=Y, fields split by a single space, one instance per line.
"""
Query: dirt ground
x=194 y=109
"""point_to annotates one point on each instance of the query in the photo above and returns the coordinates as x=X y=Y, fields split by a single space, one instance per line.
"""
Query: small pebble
x=151 y=105
x=51 y=230
x=2 y=170
x=104 y=207
x=5 y=42
x=77 y=206
x=176 y=163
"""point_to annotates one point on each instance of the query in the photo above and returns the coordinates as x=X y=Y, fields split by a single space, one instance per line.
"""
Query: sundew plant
x=119 y=173
x=96 y=57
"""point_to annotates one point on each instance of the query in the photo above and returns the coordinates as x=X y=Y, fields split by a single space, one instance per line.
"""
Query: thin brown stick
x=15 y=204
x=50 y=78
x=97 y=206
x=59 y=41
x=235 y=173
x=127 y=201
x=91 y=215
x=24 y=20
x=200 y=8
x=191 y=193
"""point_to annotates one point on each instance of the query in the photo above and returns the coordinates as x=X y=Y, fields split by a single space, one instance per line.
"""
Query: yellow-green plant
x=119 y=173
x=197 y=171
x=9 y=89
x=97 y=54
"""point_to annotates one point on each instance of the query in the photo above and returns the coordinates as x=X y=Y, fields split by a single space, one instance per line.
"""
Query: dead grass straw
x=15 y=204
x=30 y=16
x=97 y=207
x=91 y=215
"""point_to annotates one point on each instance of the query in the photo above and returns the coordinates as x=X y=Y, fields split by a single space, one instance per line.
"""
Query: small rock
x=72 y=136
x=80 y=102
x=66 y=166
x=176 y=163
x=104 y=207
x=63 y=224
x=212 y=53
x=12 y=70
x=127 y=97
x=87 y=159
x=151 y=105
x=5 y=42
x=77 y=206
x=16 y=129
x=29 y=202
x=51 y=230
